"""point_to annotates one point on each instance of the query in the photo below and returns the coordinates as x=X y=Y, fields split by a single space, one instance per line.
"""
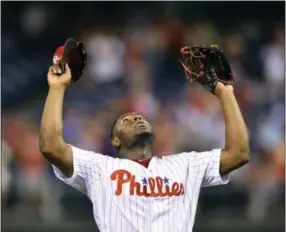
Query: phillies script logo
x=157 y=187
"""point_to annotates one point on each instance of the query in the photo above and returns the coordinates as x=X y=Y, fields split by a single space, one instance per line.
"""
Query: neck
x=136 y=152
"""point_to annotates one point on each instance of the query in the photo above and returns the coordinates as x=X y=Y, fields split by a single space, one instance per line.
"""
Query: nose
x=137 y=118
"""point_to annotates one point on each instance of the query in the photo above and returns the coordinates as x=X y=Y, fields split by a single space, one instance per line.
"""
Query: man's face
x=130 y=127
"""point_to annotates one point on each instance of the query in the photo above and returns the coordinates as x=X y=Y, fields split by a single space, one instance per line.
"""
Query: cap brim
x=70 y=44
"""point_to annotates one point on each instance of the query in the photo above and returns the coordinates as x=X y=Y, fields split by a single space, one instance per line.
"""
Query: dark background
x=133 y=66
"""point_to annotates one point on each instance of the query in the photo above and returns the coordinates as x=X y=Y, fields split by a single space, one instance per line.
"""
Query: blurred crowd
x=133 y=66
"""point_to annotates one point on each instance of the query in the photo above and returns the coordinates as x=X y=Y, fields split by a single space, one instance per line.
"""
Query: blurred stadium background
x=133 y=51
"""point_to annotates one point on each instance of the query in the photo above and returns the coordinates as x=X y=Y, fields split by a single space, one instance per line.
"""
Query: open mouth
x=141 y=125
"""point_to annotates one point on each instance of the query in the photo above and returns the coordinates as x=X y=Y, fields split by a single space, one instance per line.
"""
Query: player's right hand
x=57 y=78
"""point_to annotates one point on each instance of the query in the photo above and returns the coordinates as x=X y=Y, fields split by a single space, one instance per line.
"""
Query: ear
x=115 y=142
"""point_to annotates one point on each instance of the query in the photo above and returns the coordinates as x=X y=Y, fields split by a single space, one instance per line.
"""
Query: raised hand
x=57 y=78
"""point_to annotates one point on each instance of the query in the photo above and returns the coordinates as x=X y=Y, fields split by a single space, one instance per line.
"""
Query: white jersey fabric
x=127 y=197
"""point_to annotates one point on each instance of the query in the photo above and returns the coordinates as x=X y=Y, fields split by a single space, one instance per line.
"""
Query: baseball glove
x=206 y=65
x=74 y=54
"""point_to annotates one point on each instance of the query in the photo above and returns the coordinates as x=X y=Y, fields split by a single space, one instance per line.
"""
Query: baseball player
x=137 y=192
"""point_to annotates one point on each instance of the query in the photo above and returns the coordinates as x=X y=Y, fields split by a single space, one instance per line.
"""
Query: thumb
x=68 y=70
x=67 y=67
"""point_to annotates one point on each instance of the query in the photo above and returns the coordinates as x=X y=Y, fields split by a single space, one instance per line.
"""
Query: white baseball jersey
x=128 y=197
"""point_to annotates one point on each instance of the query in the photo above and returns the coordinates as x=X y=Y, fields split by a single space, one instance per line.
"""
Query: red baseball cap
x=74 y=54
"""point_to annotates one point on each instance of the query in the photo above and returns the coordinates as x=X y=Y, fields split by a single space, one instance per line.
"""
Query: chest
x=161 y=179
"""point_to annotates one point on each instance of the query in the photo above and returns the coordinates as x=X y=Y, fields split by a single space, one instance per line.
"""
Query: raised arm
x=236 y=151
x=51 y=142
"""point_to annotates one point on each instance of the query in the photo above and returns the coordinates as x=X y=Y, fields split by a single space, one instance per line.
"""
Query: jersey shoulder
x=181 y=156
x=179 y=159
x=186 y=158
x=89 y=159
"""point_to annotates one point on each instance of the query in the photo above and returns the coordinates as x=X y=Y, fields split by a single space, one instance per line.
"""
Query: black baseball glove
x=206 y=65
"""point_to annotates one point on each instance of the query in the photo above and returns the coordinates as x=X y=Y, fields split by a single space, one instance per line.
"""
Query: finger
x=52 y=70
x=56 y=69
x=67 y=67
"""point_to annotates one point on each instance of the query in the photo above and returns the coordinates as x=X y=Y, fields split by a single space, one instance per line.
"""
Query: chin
x=144 y=133
x=143 y=138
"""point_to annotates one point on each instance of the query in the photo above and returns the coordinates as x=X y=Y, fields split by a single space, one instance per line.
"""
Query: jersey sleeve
x=87 y=166
x=206 y=165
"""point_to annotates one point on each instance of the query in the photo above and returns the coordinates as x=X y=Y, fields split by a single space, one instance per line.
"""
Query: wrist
x=57 y=87
x=224 y=92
